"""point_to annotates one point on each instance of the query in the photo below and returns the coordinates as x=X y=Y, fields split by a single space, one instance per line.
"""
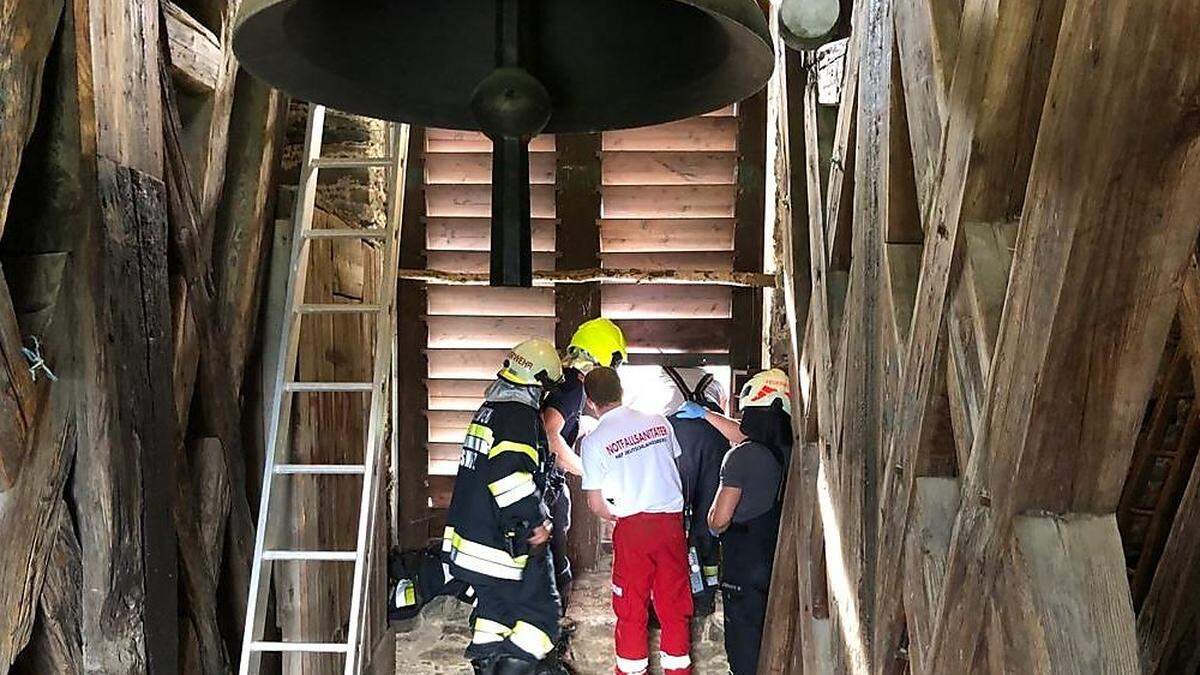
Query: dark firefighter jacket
x=497 y=499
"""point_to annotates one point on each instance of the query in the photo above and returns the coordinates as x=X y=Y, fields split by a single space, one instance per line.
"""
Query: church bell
x=511 y=69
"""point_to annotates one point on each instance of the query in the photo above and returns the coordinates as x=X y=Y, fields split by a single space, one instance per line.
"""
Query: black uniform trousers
x=532 y=601
x=748 y=555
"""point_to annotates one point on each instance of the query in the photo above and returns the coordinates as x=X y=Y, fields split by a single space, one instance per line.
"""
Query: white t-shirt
x=630 y=458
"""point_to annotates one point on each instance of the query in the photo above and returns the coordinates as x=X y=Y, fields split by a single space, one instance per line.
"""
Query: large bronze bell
x=511 y=69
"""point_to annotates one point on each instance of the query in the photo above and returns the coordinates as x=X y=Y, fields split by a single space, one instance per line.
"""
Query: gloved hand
x=691 y=410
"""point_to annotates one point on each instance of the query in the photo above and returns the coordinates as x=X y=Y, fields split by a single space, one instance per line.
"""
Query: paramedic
x=630 y=476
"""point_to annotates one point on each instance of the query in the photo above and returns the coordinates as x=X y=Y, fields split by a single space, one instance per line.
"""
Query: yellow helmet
x=598 y=342
x=765 y=388
x=534 y=362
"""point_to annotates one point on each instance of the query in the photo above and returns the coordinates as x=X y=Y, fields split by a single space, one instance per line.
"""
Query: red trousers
x=650 y=564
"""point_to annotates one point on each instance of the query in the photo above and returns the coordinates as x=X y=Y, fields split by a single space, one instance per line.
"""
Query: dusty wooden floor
x=435 y=642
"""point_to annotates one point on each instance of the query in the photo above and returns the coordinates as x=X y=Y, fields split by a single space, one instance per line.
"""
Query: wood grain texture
x=25 y=42
x=669 y=168
x=1053 y=350
x=1074 y=612
x=666 y=234
x=1168 y=621
x=196 y=56
x=496 y=302
x=475 y=234
x=698 y=134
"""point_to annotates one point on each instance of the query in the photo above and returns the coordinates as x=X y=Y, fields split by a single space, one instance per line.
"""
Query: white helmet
x=765 y=388
x=533 y=362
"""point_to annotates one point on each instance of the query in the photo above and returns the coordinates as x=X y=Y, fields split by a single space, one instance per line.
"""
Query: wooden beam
x=995 y=44
x=749 y=234
x=704 y=261
x=412 y=303
x=134 y=209
x=1071 y=602
x=927 y=35
x=1168 y=623
x=1189 y=318
x=1054 y=349
x=196 y=56
x=26 y=521
x=29 y=28
x=55 y=646
x=607 y=275
x=17 y=393
x=578 y=168
x=689 y=336
x=245 y=219
x=935 y=503
x=858 y=472
x=1169 y=495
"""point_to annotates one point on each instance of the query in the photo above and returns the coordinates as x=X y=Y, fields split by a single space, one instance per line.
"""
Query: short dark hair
x=603 y=386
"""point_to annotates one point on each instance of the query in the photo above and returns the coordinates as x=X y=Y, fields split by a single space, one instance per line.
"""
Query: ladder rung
x=328 y=469
x=330 y=386
x=352 y=162
x=340 y=233
x=327 y=556
x=313 y=647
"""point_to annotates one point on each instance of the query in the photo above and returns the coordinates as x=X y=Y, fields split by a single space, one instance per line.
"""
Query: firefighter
x=630 y=476
x=498 y=526
x=746 y=513
x=598 y=342
x=704 y=448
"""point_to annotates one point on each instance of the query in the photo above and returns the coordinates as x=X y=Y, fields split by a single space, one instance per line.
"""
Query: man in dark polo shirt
x=746 y=513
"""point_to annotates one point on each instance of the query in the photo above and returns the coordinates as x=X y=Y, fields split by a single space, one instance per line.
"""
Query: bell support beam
x=577 y=206
x=1082 y=330
x=985 y=91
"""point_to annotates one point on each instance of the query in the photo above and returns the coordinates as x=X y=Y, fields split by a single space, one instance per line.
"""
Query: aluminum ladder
x=279 y=414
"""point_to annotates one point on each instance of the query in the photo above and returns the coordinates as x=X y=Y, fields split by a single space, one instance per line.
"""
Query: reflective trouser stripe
x=530 y=639
x=632 y=666
x=488 y=631
x=675 y=662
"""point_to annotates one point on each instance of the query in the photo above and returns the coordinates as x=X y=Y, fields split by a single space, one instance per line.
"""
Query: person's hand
x=540 y=535
x=691 y=410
